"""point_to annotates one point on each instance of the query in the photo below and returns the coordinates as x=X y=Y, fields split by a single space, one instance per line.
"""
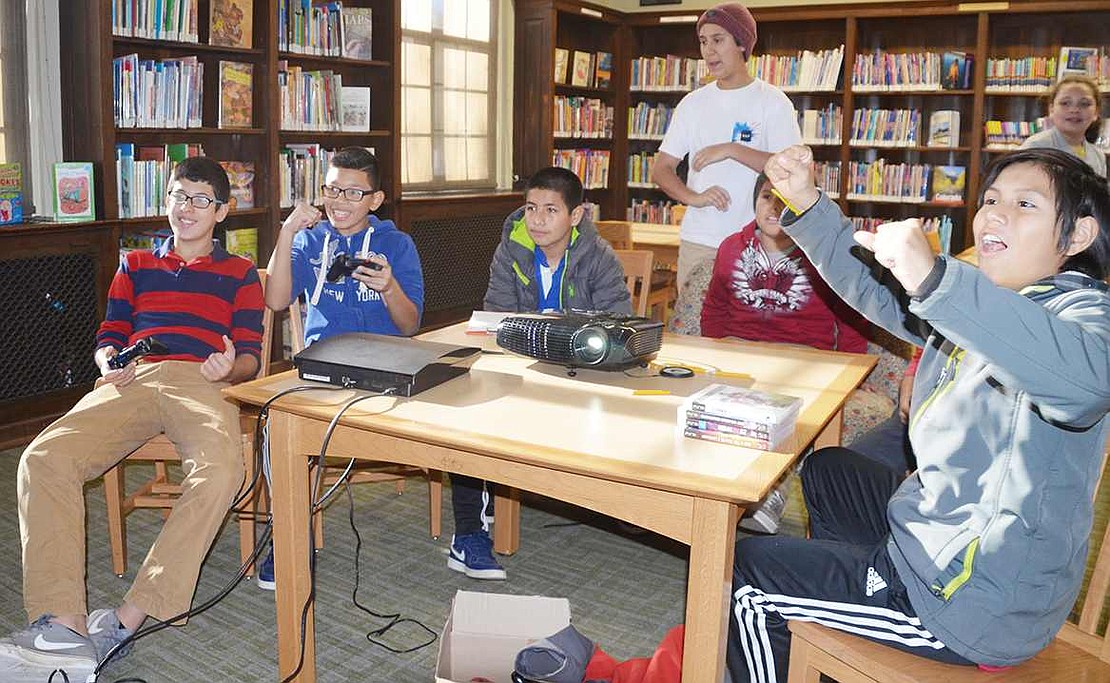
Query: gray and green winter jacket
x=1008 y=423
x=592 y=278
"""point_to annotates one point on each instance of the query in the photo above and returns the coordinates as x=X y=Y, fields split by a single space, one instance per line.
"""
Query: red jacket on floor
x=665 y=666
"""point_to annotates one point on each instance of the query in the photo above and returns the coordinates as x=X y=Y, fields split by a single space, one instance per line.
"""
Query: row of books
x=239 y=241
x=669 y=73
x=1023 y=74
x=886 y=127
x=826 y=175
x=161 y=19
x=649 y=122
x=881 y=181
x=663 y=212
x=157 y=94
x=141 y=175
x=804 y=71
x=325 y=29
x=301 y=172
x=589 y=69
x=590 y=165
x=739 y=416
x=639 y=170
x=318 y=100
x=821 y=126
x=1007 y=134
x=582 y=117
x=937 y=229
x=911 y=71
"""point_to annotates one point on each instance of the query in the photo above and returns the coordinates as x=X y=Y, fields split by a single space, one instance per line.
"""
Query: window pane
x=477 y=71
x=454 y=67
x=454 y=112
x=478 y=20
x=454 y=156
x=416 y=63
x=416 y=106
x=477 y=121
x=416 y=16
x=477 y=163
x=416 y=160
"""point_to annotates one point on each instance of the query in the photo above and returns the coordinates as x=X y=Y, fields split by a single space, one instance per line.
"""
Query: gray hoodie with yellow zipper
x=593 y=279
x=1008 y=424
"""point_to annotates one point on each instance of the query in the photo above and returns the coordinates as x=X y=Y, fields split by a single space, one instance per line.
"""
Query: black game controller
x=137 y=350
x=344 y=265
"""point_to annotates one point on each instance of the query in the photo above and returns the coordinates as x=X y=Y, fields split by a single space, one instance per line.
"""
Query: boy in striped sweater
x=205 y=306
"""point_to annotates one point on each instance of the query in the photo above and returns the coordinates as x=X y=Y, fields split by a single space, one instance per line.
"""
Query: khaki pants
x=106 y=425
x=691 y=254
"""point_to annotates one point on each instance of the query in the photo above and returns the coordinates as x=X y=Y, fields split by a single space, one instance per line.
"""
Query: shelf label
x=679 y=19
x=591 y=12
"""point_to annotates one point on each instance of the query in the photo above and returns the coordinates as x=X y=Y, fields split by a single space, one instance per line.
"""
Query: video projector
x=584 y=339
x=377 y=362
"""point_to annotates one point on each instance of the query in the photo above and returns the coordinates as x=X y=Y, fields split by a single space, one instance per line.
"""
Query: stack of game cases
x=738 y=416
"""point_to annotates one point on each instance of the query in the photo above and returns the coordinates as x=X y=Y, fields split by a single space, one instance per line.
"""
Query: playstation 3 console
x=378 y=362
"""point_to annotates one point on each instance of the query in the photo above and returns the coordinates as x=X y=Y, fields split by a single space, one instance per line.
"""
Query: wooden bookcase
x=90 y=134
x=984 y=30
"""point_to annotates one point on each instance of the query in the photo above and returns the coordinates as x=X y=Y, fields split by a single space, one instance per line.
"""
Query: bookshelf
x=542 y=27
x=87 y=253
x=94 y=131
x=1017 y=30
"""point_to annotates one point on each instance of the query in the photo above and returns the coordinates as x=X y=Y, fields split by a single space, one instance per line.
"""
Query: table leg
x=506 y=514
x=290 y=502
x=708 y=590
x=830 y=435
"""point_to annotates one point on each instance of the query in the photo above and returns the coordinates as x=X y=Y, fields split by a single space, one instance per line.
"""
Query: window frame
x=438 y=42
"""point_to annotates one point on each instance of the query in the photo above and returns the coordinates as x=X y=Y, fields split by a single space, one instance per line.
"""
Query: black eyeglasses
x=351 y=194
x=198 y=201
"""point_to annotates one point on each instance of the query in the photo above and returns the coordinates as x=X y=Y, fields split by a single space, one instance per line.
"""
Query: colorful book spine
x=730 y=439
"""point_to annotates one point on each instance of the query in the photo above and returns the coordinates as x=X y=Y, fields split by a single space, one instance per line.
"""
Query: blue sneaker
x=472 y=554
x=265 y=576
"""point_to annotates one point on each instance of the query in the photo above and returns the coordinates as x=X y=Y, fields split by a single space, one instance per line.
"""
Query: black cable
x=394 y=619
x=317 y=485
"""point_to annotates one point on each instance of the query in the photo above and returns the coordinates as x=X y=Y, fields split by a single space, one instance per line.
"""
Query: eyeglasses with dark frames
x=351 y=194
x=198 y=201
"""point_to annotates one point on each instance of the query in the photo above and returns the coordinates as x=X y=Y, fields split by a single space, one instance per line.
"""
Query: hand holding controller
x=143 y=347
x=344 y=265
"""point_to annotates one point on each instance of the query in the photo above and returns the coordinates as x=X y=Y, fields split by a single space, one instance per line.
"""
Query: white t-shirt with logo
x=757 y=115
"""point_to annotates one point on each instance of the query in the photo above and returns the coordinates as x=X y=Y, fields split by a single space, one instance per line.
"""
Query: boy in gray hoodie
x=550 y=259
x=978 y=556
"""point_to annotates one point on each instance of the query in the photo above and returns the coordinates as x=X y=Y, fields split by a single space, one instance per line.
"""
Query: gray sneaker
x=43 y=648
x=765 y=518
x=106 y=632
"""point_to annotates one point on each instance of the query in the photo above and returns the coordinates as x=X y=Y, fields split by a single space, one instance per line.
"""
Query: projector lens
x=590 y=345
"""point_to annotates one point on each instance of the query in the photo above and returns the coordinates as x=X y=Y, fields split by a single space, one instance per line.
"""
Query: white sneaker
x=765 y=518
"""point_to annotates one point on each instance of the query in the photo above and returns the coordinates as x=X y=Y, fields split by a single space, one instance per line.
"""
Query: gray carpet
x=625 y=591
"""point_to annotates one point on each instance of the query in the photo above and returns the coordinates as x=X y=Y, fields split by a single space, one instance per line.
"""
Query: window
x=448 y=94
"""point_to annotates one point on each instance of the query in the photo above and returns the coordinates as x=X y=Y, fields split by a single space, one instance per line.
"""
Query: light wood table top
x=588 y=440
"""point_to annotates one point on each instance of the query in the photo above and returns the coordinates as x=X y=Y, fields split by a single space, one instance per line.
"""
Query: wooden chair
x=663 y=288
x=637 y=275
x=1078 y=653
x=160 y=491
x=367 y=471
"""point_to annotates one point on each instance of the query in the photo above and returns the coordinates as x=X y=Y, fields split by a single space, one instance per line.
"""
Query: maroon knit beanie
x=734 y=18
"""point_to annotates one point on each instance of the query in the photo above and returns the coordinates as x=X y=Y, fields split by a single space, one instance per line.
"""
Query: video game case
x=729 y=439
x=746 y=404
x=752 y=432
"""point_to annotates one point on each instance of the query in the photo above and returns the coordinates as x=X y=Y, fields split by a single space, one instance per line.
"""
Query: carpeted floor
x=625 y=590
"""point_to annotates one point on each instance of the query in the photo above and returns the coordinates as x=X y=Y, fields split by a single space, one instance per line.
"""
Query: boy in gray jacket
x=550 y=259
x=978 y=556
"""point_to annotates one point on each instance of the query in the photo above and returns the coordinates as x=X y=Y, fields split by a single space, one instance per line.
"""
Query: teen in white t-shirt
x=730 y=128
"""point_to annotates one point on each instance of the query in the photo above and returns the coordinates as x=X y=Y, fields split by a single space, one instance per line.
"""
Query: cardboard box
x=485 y=631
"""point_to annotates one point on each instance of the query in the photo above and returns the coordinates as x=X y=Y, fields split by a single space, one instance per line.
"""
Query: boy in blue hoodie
x=388 y=299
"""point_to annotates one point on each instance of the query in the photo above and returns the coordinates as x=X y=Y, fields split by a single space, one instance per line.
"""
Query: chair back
x=637 y=266
x=267 y=331
x=617 y=233
x=1083 y=632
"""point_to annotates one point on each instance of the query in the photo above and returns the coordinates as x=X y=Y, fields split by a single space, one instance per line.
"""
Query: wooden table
x=587 y=440
x=660 y=239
